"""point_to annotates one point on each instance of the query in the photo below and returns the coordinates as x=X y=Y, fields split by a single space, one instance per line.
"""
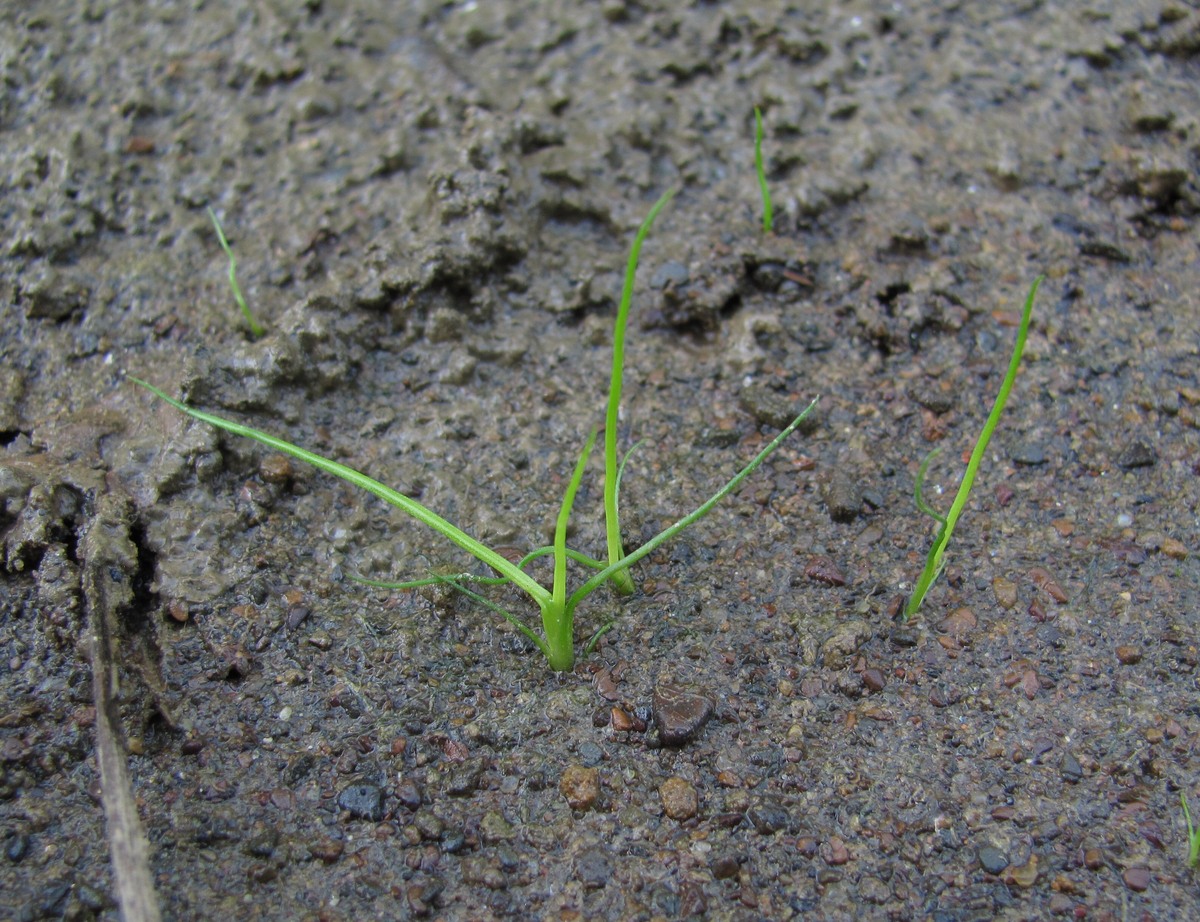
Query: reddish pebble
x=823 y=570
x=836 y=852
x=1041 y=578
x=873 y=680
x=1136 y=879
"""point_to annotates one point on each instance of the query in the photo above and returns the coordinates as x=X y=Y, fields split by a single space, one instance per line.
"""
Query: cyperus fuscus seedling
x=556 y=605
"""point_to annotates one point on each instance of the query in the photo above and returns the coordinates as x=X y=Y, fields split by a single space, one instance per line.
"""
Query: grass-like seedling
x=621 y=579
x=760 y=170
x=1193 y=834
x=256 y=329
x=556 y=604
x=936 y=559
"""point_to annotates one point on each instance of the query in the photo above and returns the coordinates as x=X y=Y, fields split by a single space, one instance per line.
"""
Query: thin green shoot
x=557 y=607
x=256 y=328
x=919 y=487
x=622 y=581
x=1193 y=834
x=768 y=220
x=935 y=562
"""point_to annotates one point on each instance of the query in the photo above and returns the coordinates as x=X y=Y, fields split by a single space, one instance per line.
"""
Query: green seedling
x=556 y=604
x=256 y=329
x=760 y=170
x=1193 y=834
x=622 y=581
x=936 y=559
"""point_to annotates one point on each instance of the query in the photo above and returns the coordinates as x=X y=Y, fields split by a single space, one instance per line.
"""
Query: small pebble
x=843 y=495
x=1136 y=879
x=593 y=869
x=680 y=713
x=1137 y=454
x=580 y=786
x=362 y=801
x=873 y=680
x=769 y=816
x=679 y=799
x=822 y=569
x=327 y=850
x=724 y=866
x=959 y=622
x=1030 y=455
x=836 y=853
x=992 y=860
x=1128 y=655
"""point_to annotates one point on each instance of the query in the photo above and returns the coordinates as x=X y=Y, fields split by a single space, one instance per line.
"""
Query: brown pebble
x=139 y=144
x=1128 y=655
x=1041 y=578
x=873 y=680
x=822 y=569
x=1005 y=591
x=959 y=622
x=679 y=799
x=624 y=722
x=1136 y=879
x=680 y=713
x=836 y=852
x=1093 y=859
x=327 y=850
x=1174 y=548
x=724 y=867
x=178 y=611
x=275 y=469
x=580 y=786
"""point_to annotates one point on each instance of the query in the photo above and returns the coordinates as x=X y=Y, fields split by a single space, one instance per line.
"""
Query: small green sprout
x=936 y=559
x=1193 y=858
x=612 y=472
x=556 y=604
x=768 y=214
x=256 y=329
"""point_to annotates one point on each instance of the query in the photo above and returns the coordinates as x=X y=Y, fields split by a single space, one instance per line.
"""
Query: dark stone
x=1137 y=454
x=769 y=817
x=363 y=801
x=593 y=869
x=464 y=778
x=843 y=496
x=680 y=713
x=16 y=848
x=1029 y=454
x=1072 y=771
x=590 y=754
x=724 y=866
x=408 y=794
x=992 y=860
x=768 y=406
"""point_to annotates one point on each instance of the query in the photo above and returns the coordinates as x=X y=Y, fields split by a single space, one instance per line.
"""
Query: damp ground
x=431 y=206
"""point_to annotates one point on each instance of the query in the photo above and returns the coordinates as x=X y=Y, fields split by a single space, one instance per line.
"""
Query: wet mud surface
x=431 y=205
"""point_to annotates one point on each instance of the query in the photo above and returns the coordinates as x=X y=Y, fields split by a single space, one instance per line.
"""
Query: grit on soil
x=431 y=205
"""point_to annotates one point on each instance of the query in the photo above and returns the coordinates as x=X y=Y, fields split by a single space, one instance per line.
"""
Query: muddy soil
x=431 y=204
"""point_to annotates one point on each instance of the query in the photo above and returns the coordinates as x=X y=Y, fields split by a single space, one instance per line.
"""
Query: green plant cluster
x=555 y=602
